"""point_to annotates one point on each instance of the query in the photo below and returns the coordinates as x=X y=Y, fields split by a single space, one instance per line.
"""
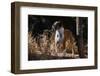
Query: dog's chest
x=59 y=35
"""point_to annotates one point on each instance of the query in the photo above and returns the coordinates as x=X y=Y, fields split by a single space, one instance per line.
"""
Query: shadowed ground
x=50 y=57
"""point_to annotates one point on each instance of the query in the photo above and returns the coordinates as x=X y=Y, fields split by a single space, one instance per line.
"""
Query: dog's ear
x=53 y=28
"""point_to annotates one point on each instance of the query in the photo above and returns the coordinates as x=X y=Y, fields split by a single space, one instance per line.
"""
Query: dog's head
x=56 y=25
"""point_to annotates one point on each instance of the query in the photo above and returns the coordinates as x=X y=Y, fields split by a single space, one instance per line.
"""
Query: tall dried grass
x=46 y=45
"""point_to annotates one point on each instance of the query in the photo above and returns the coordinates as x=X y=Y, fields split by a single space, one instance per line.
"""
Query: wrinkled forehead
x=57 y=22
x=57 y=25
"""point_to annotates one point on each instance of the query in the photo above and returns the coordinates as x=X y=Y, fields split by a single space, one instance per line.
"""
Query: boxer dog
x=63 y=38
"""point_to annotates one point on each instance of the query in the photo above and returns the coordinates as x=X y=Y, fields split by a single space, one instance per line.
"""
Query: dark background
x=38 y=23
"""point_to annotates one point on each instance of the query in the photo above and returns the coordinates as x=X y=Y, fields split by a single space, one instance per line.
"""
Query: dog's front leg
x=56 y=50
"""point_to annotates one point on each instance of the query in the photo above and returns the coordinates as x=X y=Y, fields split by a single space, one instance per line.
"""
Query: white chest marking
x=59 y=36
